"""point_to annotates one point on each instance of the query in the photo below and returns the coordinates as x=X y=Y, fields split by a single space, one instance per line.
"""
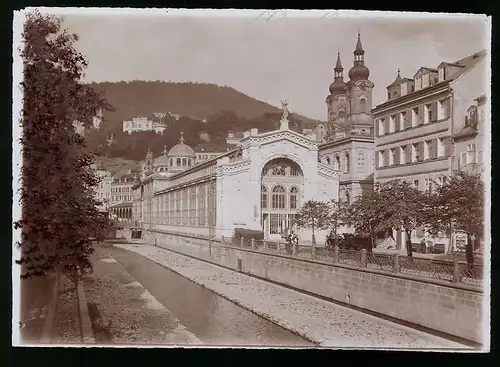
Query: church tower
x=359 y=93
x=337 y=103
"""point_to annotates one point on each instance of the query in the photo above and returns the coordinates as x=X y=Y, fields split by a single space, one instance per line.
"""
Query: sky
x=270 y=58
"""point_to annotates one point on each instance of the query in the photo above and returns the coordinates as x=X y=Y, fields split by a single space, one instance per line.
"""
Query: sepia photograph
x=189 y=178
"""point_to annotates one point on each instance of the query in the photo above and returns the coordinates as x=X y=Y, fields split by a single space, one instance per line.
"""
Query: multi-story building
x=347 y=137
x=143 y=124
x=469 y=140
x=209 y=151
x=121 y=187
x=103 y=190
x=414 y=127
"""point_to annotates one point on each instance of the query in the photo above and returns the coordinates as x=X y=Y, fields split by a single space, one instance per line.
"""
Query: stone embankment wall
x=450 y=308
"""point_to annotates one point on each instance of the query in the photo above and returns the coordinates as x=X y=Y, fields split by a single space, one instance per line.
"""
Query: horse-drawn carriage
x=349 y=241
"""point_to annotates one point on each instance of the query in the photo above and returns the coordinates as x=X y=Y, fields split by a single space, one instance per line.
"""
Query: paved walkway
x=325 y=323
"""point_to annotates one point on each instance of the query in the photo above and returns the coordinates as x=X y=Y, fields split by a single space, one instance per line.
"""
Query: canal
x=213 y=319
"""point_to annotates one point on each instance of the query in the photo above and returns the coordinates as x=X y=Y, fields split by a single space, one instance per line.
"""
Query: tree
x=315 y=215
x=364 y=214
x=458 y=204
x=59 y=213
x=338 y=214
x=401 y=205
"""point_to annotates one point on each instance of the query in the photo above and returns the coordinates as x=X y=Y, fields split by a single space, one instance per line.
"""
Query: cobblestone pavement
x=122 y=311
x=323 y=322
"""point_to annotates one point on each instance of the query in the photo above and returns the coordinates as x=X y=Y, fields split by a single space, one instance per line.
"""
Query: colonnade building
x=259 y=185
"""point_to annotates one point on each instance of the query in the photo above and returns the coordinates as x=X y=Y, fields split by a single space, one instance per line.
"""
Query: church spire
x=338 y=66
x=359 y=47
x=182 y=138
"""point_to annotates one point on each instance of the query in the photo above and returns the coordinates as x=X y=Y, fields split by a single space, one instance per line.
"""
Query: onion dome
x=181 y=149
x=338 y=86
x=359 y=71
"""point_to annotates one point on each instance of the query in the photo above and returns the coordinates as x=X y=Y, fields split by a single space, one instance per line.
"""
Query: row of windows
x=121 y=189
x=193 y=206
x=181 y=162
x=412 y=153
x=345 y=164
x=413 y=117
x=121 y=197
x=470 y=156
x=279 y=198
x=429 y=184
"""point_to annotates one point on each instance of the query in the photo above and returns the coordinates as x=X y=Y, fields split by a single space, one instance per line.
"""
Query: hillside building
x=143 y=124
x=260 y=184
x=233 y=137
x=209 y=151
x=415 y=127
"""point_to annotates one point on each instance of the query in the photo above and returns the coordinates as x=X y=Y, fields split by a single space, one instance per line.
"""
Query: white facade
x=103 y=191
x=142 y=124
x=260 y=185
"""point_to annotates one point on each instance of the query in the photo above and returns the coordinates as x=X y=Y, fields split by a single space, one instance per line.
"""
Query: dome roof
x=359 y=72
x=181 y=149
x=163 y=159
x=337 y=87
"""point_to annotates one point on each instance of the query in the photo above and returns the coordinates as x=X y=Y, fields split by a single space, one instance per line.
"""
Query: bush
x=248 y=234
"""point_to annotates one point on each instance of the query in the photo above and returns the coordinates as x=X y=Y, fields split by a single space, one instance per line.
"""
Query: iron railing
x=453 y=271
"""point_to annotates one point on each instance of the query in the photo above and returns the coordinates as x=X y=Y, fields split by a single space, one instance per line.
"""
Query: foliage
x=457 y=205
x=205 y=108
x=363 y=213
x=338 y=214
x=401 y=205
x=315 y=215
x=59 y=213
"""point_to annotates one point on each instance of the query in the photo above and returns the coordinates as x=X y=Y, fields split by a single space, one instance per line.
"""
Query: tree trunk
x=313 y=236
x=409 y=249
x=469 y=250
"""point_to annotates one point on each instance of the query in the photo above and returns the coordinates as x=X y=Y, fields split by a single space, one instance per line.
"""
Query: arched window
x=189 y=162
x=184 y=163
x=361 y=160
x=263 y=197
x=294 y=195
x=362 y=104
x=171 y=162
x=347 y=163
x=192 y=206
x=178 y=162
x=278 y=198
x=328 y=161
x=337 y=162
x=347 y=198
x=201 y=205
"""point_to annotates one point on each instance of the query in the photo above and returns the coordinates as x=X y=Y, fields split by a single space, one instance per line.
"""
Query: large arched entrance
x=282 y=184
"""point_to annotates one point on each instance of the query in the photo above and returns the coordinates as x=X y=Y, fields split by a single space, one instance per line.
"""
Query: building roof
x=465 y=132
x=181 y=149
x=162 y=159
x=467 y=63
x=212 y=148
